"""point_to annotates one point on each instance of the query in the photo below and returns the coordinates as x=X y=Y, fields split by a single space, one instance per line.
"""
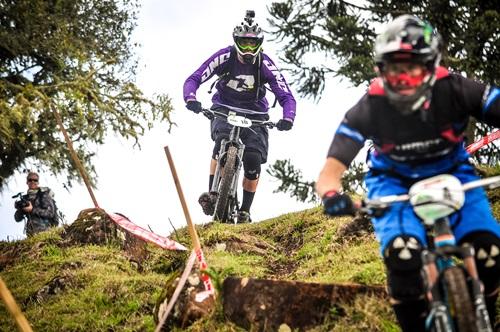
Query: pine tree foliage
x=75 y=57
x=335 y=39
x=292 y=181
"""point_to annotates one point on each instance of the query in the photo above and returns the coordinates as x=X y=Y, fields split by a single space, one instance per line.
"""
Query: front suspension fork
x=466 y=253
x=438 y=317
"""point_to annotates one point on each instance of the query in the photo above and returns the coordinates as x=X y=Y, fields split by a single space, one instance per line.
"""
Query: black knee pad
x=251 y=164
x=403 y=260
x=487 y=255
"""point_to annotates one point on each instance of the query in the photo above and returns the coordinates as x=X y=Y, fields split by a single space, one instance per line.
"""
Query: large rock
x=271 y=305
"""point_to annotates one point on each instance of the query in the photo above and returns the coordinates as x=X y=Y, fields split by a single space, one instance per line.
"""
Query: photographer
x=37 y=206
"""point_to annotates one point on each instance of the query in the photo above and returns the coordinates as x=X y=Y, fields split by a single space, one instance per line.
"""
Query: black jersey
x=422 y=136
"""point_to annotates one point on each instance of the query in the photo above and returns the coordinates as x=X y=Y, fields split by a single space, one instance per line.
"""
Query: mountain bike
x=454 y=291
x=229 y=162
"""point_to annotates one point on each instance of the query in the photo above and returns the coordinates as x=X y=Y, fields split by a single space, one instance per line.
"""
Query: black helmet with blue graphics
x=248 y=38
x=409 y=39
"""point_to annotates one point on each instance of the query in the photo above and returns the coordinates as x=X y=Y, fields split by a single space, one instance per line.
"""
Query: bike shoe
x=207 y=202
x=244 y=217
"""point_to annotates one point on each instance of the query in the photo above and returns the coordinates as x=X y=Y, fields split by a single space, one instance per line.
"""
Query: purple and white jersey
x=238 y=89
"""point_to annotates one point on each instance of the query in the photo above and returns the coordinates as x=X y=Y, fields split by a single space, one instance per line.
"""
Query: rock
x=274 y=305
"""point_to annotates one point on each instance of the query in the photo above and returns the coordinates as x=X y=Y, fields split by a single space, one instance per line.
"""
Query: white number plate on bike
x=436 y=197
x=237 y=120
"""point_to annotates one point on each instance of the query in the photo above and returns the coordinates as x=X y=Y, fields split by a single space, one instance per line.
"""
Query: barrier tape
x=144 y=234
x=209 y=288
x=483 y=141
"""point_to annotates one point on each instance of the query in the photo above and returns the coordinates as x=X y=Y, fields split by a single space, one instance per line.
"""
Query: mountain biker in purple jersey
x=243 y=69
x=415 y=113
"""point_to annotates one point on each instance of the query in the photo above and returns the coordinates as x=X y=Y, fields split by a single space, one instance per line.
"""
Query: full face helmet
x=248 y=38
x=408 y=40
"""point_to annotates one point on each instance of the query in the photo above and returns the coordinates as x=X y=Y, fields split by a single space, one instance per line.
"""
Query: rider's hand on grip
x=337 y=204
x=194 y=105
x=284 y=124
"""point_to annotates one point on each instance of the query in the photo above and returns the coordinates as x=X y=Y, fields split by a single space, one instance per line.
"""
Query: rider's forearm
x=330 y=176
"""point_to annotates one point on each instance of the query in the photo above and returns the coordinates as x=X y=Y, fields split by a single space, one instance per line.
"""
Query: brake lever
x=208 y=114
x=373 y=211
x=270 y=125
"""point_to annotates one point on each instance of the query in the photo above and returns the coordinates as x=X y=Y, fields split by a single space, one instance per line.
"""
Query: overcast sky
x=176 y=37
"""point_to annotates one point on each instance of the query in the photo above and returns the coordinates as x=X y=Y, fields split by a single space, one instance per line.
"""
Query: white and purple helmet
x=248 y=38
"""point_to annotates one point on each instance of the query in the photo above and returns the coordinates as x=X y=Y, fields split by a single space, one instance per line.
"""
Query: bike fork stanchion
x=482 y=317
x=438 y=319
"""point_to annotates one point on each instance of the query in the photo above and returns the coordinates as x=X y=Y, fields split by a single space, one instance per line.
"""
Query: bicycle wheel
x=223 y=206
x=460 y=305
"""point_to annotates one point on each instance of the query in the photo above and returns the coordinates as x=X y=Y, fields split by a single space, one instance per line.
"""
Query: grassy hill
x=66 y=286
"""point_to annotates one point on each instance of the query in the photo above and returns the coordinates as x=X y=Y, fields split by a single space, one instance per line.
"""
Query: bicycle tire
x=460 y=305
x=223 y=205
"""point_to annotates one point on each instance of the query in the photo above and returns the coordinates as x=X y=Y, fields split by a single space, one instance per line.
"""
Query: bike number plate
x=238 y=121
x=437 y=197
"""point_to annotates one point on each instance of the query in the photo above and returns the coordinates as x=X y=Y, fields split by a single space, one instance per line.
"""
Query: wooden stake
x=75 y=158
x=192 y=230
x=177 y=291
x=12 y=306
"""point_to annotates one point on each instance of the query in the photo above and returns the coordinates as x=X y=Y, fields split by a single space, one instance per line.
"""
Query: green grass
x=105 y=291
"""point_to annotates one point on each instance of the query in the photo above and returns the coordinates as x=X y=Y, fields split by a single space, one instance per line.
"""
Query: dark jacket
x=44 y=210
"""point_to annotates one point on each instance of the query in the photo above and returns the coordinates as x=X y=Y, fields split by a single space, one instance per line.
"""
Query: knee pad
x=403 y=260
x=487 y=256
x=251 y=164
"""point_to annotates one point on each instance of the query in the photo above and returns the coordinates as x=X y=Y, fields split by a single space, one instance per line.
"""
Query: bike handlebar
x=210 y=114
x=368 y=205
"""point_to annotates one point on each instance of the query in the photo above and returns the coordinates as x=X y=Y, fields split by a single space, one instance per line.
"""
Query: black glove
x=284 y=124
x=194 y=105
x=336 y=204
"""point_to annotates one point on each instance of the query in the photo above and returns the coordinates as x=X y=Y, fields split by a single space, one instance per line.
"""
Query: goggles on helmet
x=405 y=73
x=248 y=44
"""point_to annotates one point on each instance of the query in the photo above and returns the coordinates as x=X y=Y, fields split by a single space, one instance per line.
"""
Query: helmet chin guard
x=409 y=39
x=407 y=104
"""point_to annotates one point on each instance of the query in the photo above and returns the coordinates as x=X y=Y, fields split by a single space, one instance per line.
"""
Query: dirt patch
x=9 y=254
x=248 y=244
x=55 y=286
x=359 y=226
x=280 y=269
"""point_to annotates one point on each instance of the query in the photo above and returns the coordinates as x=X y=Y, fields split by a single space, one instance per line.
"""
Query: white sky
x=176 y=37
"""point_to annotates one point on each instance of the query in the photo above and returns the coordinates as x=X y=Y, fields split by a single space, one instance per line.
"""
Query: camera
x=22 y=202
x=249 y=17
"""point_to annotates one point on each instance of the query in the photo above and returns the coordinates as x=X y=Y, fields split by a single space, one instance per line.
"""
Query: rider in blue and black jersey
x=415 y=113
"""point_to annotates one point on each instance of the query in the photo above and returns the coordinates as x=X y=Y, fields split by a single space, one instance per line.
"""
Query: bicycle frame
x=238 y=122
x=233 y=140
x=442 y=252
x=440 y=255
